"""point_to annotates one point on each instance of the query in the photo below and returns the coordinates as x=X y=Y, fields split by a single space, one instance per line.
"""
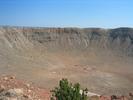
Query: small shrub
x=68 y=91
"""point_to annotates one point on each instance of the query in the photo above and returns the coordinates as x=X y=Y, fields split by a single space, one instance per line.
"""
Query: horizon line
x=76 y=27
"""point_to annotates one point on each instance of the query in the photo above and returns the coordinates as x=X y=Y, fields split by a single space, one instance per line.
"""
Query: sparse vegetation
x=68 y=91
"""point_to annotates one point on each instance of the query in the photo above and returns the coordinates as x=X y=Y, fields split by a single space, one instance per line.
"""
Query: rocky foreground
x=14 y=89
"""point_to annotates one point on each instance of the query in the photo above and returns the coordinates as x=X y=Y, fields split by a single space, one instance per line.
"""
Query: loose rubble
x=112 y=97
x=14 y=89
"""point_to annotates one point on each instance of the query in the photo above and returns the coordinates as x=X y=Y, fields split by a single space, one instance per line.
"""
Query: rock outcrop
x=15 y=89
